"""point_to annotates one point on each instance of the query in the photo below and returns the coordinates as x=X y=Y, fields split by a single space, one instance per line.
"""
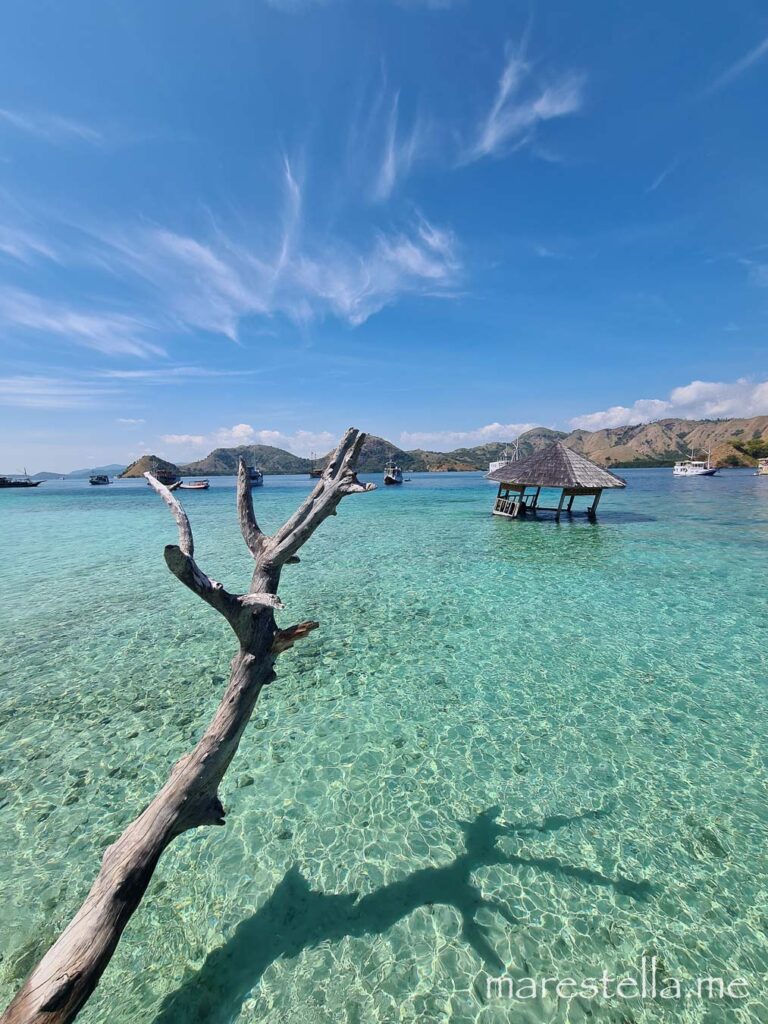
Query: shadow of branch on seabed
x=295 y=917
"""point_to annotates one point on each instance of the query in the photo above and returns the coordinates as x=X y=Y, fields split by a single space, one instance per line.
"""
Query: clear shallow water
x=523 y=746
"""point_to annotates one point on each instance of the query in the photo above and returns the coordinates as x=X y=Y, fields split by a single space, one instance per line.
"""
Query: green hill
x=223 y=461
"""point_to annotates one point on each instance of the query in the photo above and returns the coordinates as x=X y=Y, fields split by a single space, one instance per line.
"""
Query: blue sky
x=246 y=220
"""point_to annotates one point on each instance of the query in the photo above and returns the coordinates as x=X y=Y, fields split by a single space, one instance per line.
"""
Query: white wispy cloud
x=38 y=392
x=215 y=283
x=521 y=104
x=109 y=333
x=401 y=148
x=662 y=176
x=24 y=246
x=354 y=285
x=737 y=69
x=446 y=440
x=386 y=139
x=758 y=272
x=546 y=252
x=51 y=127
x=697 y=400
x=301 y=442
x=129 y=421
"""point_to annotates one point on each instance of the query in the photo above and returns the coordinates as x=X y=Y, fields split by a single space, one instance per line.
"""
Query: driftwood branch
x=338 y=480
x=62 y=982
x=249 y=528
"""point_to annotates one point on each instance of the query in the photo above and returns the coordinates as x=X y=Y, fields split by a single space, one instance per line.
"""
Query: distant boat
x=315 y=471
x=507 y=458
x=762 y=467
x=695 y=467
x=7 y=481
x=256 y=477
x=194 y=485
x=169 y=480
x=392 y=473
x=99 y=479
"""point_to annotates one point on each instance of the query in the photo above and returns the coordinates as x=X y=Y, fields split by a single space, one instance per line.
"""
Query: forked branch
x=338 y=480
x=62 y=982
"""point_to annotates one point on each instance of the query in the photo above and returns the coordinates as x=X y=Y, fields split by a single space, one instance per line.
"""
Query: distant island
x=733 y=442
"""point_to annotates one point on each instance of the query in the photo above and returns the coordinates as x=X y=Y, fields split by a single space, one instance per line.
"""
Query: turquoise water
x=511 y=747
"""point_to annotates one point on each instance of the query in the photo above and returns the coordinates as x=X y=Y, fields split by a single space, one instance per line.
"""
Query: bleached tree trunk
x=61 y=983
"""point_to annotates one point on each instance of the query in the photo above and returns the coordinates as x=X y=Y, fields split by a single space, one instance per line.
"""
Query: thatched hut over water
x=555 y=467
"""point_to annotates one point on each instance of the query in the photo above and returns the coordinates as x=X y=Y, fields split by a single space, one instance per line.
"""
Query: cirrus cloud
x=215 y=283
x=103 y=331
x=521 y=105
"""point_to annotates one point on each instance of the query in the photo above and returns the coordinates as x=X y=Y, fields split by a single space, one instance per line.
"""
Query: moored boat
x=392 y=473
x=315 y=470
x=506 y=458
x=194 y=485
x=99 y=479
x=695 y=467
x=762 y=467
x=167 y=478
x=170 y=480
x=255 y=476
x=8 y=481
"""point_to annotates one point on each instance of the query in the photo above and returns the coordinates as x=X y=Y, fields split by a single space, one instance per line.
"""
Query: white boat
x=507 y=458
x=762 y=467
x=255 y=476
x=195 y=485
x=392 y=473
x=695 y=467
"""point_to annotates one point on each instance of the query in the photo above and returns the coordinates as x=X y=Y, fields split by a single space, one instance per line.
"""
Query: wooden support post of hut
x=553 y=468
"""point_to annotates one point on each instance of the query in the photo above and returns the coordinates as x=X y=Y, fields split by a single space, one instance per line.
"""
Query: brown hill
x=665 y=441
x=149 y=464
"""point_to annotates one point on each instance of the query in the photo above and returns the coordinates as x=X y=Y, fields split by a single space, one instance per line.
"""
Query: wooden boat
x=392 y=474
x=7 y=481
x=256 y=477
x=99 y=479
x=315 y=471
x=194 y=485
x=172 y=485
x=169 y=480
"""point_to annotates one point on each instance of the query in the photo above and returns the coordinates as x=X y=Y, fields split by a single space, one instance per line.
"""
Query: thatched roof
x=556 y=466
